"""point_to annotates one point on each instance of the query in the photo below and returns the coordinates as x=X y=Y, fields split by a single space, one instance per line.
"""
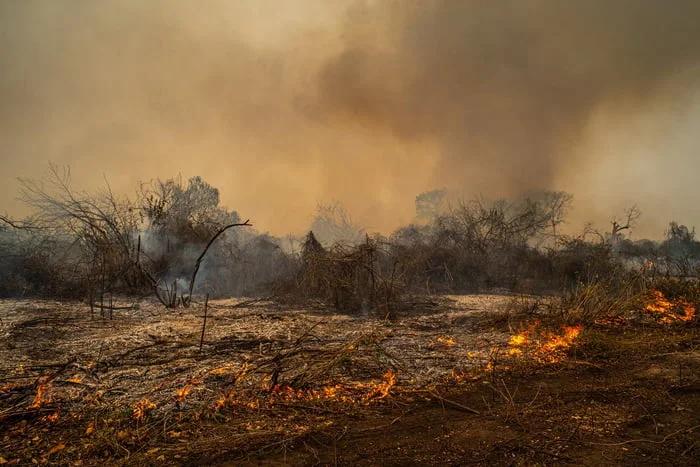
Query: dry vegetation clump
x=356 y=278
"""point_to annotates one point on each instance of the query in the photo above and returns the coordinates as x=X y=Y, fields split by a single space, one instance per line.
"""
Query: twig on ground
x=665 y=438
x=435 y=394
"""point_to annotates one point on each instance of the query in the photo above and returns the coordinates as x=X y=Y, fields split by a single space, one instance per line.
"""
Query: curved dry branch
x=204 y=252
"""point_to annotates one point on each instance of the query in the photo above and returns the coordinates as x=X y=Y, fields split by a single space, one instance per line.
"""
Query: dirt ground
x=442 y=384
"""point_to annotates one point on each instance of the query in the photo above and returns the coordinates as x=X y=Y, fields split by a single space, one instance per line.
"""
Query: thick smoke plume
x=285 y=104
x=506 y=88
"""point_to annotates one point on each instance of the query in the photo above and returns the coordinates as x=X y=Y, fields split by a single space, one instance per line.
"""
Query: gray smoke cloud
x=506 y=88
x=285 y=104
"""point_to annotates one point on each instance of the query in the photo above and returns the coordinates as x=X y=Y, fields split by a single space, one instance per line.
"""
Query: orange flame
x=446 y=340
x=141 y=408
x=666 y=311
x=356 y=393
x=459 y=375
x=51 y=417
x=543 y=346
x=384 y=388
x=219 y=404
x=224 y=370
x=40 y=398
x=183 y=393
x=6 y=387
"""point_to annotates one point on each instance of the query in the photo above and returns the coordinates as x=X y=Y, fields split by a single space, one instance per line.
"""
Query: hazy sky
x=282 y=104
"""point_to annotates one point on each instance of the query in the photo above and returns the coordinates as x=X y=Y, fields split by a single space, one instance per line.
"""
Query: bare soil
x=274 y=385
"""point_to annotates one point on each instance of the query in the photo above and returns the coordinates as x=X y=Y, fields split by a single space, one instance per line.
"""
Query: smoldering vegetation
x=80 y=244
x=173 y=239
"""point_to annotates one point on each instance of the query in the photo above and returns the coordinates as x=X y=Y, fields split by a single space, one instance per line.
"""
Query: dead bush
x=348 y=278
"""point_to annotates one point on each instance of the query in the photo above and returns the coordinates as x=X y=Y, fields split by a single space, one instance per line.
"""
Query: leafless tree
x=632 y=214
x=332 y=224
x=100 y=227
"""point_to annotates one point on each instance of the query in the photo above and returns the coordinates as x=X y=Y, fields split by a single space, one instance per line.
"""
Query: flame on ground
x=51 y=417
x=141 y=408
x=543 y=346
x=40 y=398
x=183 y=392
x=667 y=311
x=384 y=388
x=224 y=370
x=446 y=340
x=352 y=394
x=611 y=320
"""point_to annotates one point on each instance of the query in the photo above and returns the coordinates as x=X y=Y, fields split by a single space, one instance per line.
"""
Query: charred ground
x=475 y=379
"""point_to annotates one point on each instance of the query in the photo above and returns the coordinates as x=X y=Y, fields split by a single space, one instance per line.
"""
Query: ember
x=383 y=389
x=141 y=408
x=446 y=340
x=40 y=398
x=50 y=418
x=183 y=392
x=355 y=393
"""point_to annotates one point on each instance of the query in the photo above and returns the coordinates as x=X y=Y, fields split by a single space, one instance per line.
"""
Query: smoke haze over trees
x=282 y=105
x=81 y=243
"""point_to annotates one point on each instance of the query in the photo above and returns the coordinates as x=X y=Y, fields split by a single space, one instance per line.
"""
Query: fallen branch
x=665 y=438
x=453 y=403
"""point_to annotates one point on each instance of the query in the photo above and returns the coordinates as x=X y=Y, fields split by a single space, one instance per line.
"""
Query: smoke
x=285 y=104
x=506 y=89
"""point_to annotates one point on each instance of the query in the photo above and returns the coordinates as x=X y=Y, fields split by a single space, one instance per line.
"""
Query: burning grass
x=348 y=394
x=137 y=390
x=669 y=311
x=541 y=345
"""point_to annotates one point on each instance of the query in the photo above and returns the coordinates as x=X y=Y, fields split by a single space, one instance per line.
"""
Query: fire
x=522 y=339
x=141 y=408
x=611 y=320
x=666 y=311
x=51 y=417
x=224 y=370
x=384 y=388
x=556 y=343
x=183 y=392
x=40 y=398
x=446 y=340
x=458 y=375
x=543 y=346
x=518 y=340
x=219 y=404
x=355 y=393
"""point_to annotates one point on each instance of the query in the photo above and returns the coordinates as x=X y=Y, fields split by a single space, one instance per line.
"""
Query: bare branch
x=204 y=252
